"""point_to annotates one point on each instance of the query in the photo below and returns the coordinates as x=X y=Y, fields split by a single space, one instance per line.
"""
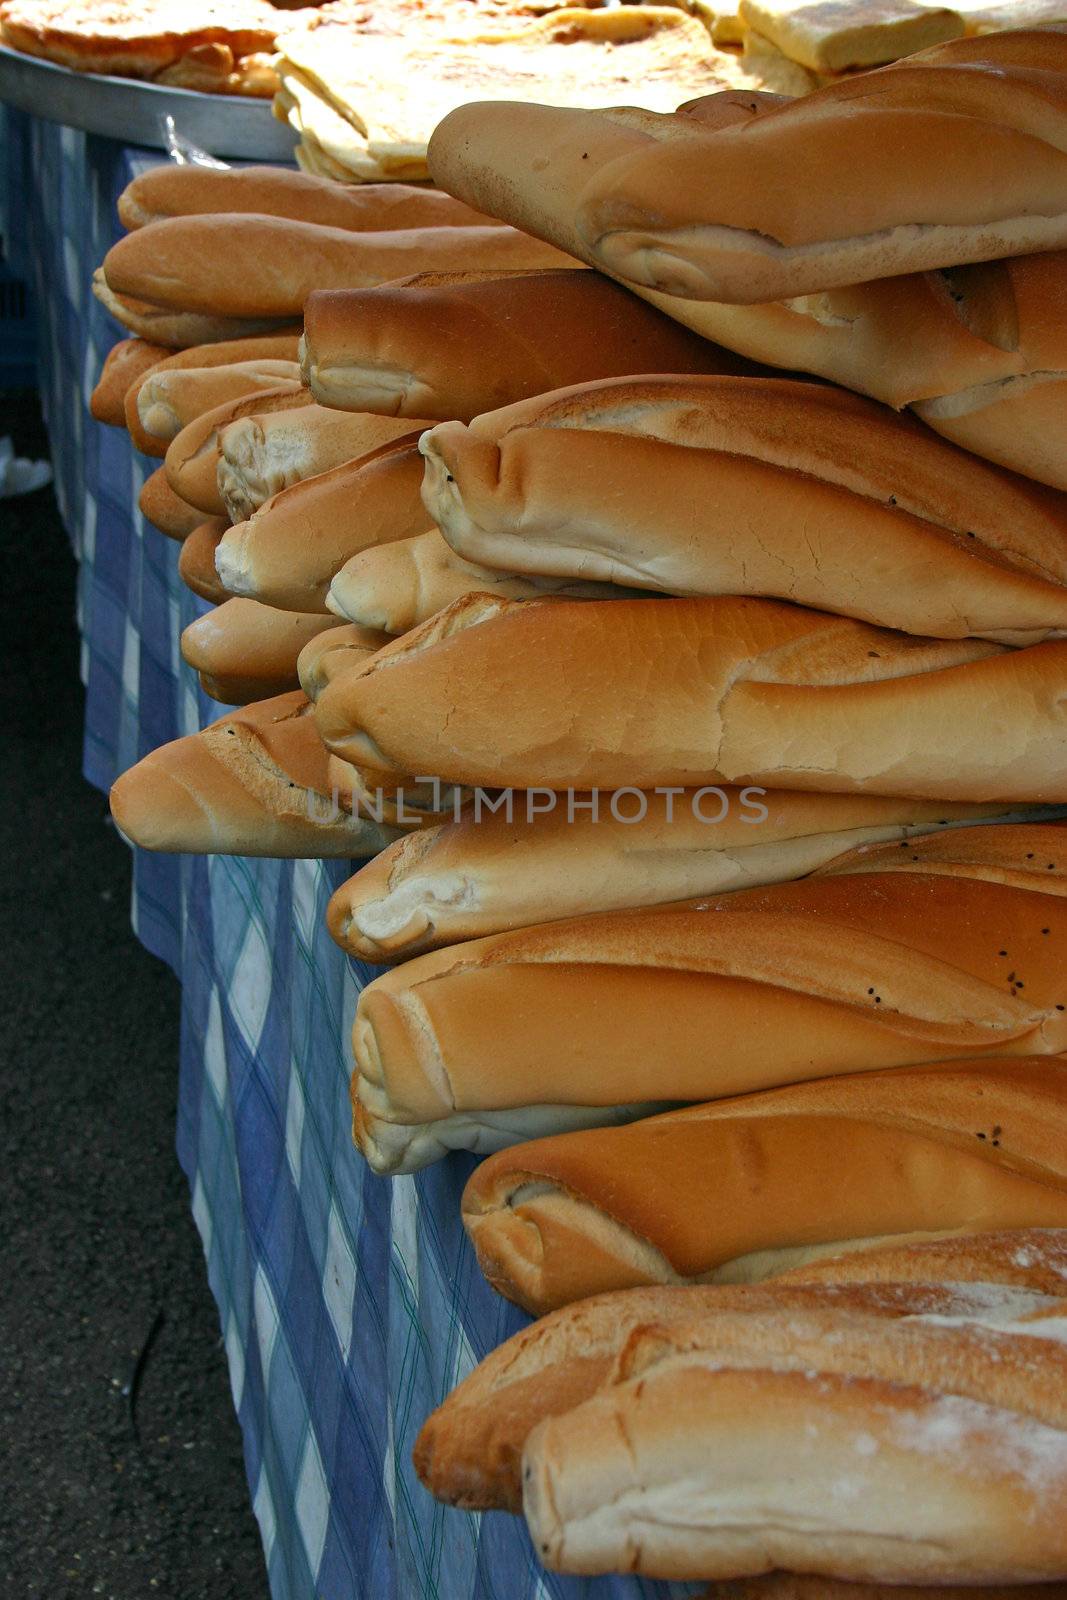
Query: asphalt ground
x=122 y=1471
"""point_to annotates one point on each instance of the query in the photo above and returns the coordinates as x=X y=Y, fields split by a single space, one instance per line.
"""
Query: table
x=350 y=1305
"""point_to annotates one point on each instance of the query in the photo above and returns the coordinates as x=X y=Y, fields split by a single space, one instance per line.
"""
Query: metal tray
x=136 y=113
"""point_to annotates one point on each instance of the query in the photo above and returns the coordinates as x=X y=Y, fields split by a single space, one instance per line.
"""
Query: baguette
x=332 y=652
x=978 y=133
x=196 y=561
x=168 y=401
x=288 y=550
x=265 y=348
x=178 y=329
x=918 y=1449
x=455 y=345
x=488 y=873
x=265 y=267
x=396 y=586
x=164 y=509
x=124 y=363
x=730 y=691
x=778 y=488
x=263 y=453
x=858 y=968
x=173 y=191
x=245 y=651
x=192 y=458
x=736 y=1191
x=469 y=1451
x=984 y=341
x=252 y=784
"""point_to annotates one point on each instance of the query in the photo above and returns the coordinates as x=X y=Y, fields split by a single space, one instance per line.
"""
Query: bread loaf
x=729 y=691
x=332 y=652
x=917 y=1449
x=259 y=267
x=737 y=1191
x=124 y=363
x=1033 y=1259
x=493 y=871
x=177 y=329
x=253 y=784
x=245 y=651
x=196 y=561
x=940 y=946
x=978 y=134
x=778 y=488
x=182 y=191
x=262 y=454
x=227 y=352
x=192 y=458
x=291 y=546
x=470 y=1449
x=455 y=345
x=396 y=586
x=168 y=401
x=984 y=341
x=165 y=510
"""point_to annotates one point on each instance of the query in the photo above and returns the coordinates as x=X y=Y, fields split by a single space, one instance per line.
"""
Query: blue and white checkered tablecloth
x=350 y=1305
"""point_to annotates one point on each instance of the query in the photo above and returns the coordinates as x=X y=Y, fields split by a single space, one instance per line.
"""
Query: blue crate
x=18 y=332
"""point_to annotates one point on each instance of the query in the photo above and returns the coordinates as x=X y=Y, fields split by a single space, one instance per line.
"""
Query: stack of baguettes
x=783 y=1021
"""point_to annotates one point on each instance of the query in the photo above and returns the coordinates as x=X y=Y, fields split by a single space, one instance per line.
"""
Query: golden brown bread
x=176 y=329
x=1033 y=1259
x=266 y=347
x=490 y=872
x=729 y=691
x=168 y=401
x=181 y=191
x=455 y=345
x=291 y=546
x=956 y=155
x=258 y=267
x=164 y=509
x=263 y=452
x=982 y=343
x=244 y=651
x=124 y=363
x=397 y=585
x=192 y=458
x=196 y=560
x=942 y=946
x=792 y=490
x=254 y=783
x=469 y=1450
x=737 y=1190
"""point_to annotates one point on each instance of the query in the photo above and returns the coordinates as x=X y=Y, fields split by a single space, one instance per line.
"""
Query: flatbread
x=391 y=90
x=841 y=35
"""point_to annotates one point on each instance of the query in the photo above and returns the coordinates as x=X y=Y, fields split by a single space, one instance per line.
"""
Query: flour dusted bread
x=923 y=950
x=288 y=550
x=730 y=690
x=244 y=651
x=778 y=488
x=250 y=266
x=737 y=1190
x=169 y=190
x=455 y=345
x=978 y=170
x=491 y=871
x=254 y=783
x=916 y=1449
